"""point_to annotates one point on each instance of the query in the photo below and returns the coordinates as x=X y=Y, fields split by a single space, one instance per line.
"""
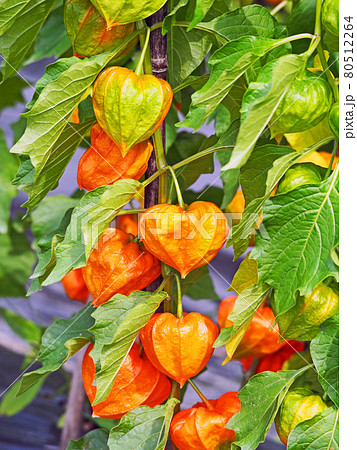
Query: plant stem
x=317 y=30
x=177 y=186
x=143 y=53
x=296 y=37
x=279 y=7
x=179 y=313
x=200 y=155
x=331 y=161
x=207 y=403
x=164 y=282
x=327 y=72
x=161 y=163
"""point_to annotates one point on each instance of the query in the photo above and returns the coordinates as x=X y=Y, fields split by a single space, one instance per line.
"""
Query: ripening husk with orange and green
x=88 y=32
x=129 y=107
x=302 y=322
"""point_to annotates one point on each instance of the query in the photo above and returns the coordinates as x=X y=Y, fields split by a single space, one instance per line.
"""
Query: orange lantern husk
x=179 y=348
x=128 y=223
x=137 y=383
x=184 y=239
x=117 y=265
x=75 y=286
x=103 y=163
x=201 y=428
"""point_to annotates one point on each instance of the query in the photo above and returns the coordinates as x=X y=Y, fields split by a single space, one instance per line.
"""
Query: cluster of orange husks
x=185 y=239
x=176 y=348
x=261 y=341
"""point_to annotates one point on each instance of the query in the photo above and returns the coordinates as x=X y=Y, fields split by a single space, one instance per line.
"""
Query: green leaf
x=117 y=323
x=301 y=230
x=302 y=20
x=324 y=352
x=52 y=40
x=69 y=253
x=201 y=9
x=49 y=214
x=18 y=30
x=112 y=199
x=170 y=19
x=11 y=92
x=95 y=439
x=171 y=130
x=143 y=428
x=24 y=328
x=265 y=167
x=212 y=194
x=16 y=261
x=198 y=285
x=49 y=223
x=260 y=399
x=227 y=65
x=52 y=73
x=252 y=20
x=186 y=145
x=9 y=13
x=62 y=339
x=60 y=155
x=246 y=275
x=249 y=297
x=49 y=115
x=230 y=178
x=318 y=433
x=12 y=404
x=244 y=309
x=46 y=247
x=9 y=165
x=18 y=129
x=260 y=101
x=185 y=52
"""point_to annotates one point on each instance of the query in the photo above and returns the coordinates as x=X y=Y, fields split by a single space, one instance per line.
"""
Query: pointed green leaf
x=48 y=117
x=69 y=253
x=54 y=352
x=16 y=261
x=201 y=9
x=117 y=323
x=52 y=40
x=61 y=153
x=185 y=52
x=143 y=428
x=252 y=20
x=318 y=433
x=23 y=327
x=227 y=65
x=110 y=203
x=12 y=404
x=19 y=26
x=11 y=92
x=259 y=176
x=249 y=298
x=301 y=230
x=260 y=101
x=95 y=439
x=324 y=352
x=260 y=399
x=9 y=165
